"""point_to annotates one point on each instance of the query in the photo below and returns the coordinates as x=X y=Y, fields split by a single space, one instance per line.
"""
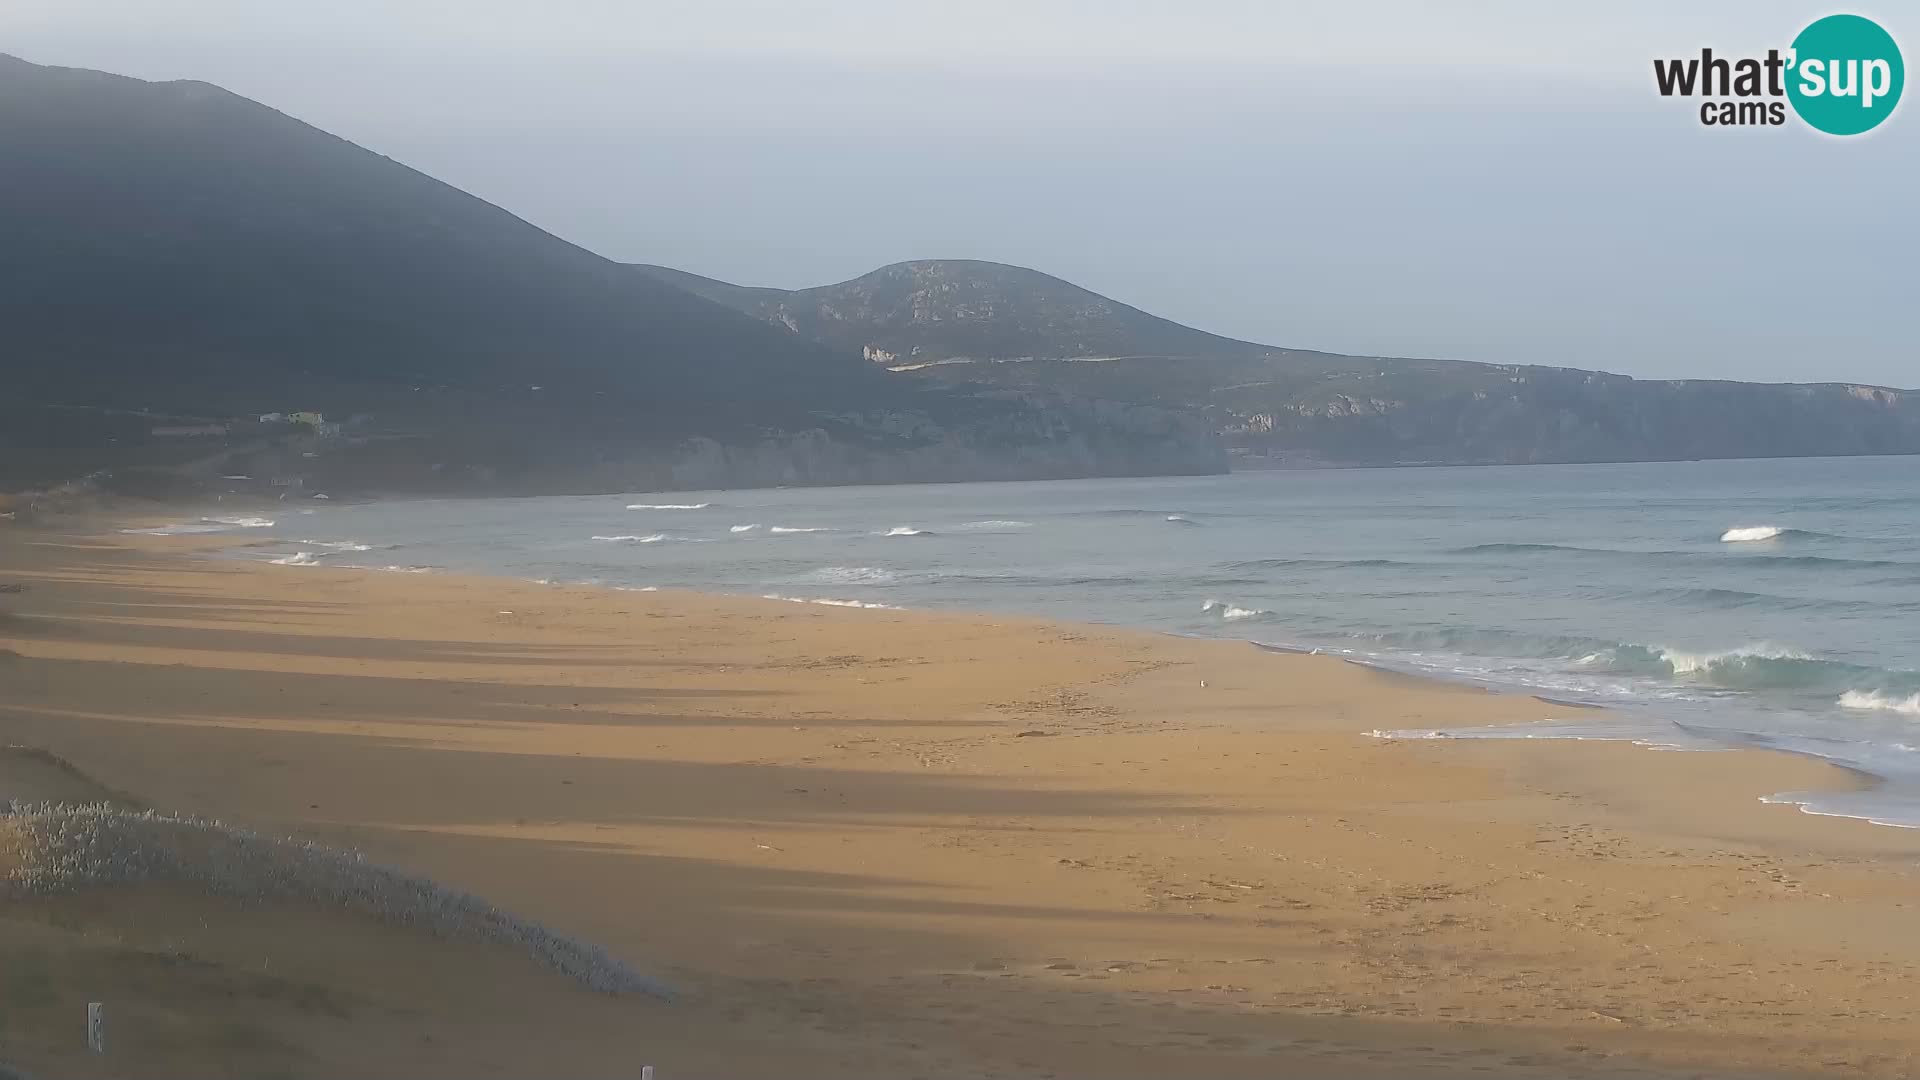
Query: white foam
x=1181 y=519
x=412 y=570
x=994 y=523
x=1232 y=612
x=1748 y=533
x=906 y=530
x=336 y=545
x=854 y=575
x=298 y=558
x=1873 y=807
x=1660 y=737
x=832 y=602
x=668 y=506
x=742 y=528
x=636 y=588
x=1686 y=663
x=204 y=525
x=783 y=530
x=652 y=538
x=1878 y=701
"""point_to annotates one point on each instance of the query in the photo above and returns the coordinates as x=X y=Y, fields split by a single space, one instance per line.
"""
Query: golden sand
x=881 y=844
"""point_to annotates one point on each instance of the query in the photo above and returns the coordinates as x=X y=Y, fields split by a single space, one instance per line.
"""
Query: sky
x=1490 y=181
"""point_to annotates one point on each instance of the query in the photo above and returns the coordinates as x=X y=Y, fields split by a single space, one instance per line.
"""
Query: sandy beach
x=866 y=843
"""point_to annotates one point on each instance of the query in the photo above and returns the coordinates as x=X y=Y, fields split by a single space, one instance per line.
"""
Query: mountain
x=929 y=312
x=177 y=222
x=961 y=321
x=175 y=252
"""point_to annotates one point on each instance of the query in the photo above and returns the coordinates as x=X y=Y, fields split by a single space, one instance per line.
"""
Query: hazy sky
x=1498 y=183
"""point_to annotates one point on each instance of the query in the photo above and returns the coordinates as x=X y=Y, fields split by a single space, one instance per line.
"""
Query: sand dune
x=878 y=843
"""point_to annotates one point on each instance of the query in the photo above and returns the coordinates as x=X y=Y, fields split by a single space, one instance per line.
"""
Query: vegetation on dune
x=50 y=849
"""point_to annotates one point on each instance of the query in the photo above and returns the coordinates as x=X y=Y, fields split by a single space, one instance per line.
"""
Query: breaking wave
x=1878 y=701
x=1760 y=666
x=787 y=530
x=742 y=528
x=993 y=524
x=652 y=538
x=1232 y=612
x=832 y=602
x=1181 y=519
x=1748 y=533
x=204 y=525
x=906 y=530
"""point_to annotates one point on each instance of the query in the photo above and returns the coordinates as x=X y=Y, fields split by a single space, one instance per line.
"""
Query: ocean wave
x=668 y=506
x=1319 y=564
x=1759 y=666
x=1749 y=533
x=854 y=575
x=905 y=530
x=742 y=528
x=1826 y=562
x=652 y=538
x=787 y=530
x=298 y=558
x=832 y=602
x=413 y=570
x=337 y=545
x=992 y=524
x=1724 y=598
x=204 y=525
x=1181 y=519
x=1812 y=562
x=1039 y=580
x=1879 y=701
x=1232 y=612
x=1525 y=549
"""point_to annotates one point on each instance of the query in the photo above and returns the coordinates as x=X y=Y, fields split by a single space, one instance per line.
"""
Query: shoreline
x=884 y=842
x=1868 y=781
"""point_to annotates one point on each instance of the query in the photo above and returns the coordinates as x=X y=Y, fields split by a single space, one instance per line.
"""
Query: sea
x=1713 y=604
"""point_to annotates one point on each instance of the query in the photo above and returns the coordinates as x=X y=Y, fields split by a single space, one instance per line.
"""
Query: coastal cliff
x=960 y=320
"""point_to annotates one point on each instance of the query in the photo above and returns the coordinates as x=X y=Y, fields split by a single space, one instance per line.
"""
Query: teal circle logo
x=1846 y=75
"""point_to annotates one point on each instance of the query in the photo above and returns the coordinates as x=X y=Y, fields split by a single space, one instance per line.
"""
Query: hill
x=177 y=254
x=958 y=321
x=939 y=310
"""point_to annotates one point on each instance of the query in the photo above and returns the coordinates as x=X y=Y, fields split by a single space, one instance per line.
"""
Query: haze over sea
x=1709 y=604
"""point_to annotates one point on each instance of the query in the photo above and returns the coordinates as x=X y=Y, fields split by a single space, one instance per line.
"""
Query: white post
x=97 y=1027
x=646 y=1072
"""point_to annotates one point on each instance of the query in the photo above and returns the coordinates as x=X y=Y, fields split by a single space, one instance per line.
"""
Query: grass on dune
x=50 y=849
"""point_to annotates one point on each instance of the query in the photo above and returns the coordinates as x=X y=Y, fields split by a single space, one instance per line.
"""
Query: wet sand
x=881 y=843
